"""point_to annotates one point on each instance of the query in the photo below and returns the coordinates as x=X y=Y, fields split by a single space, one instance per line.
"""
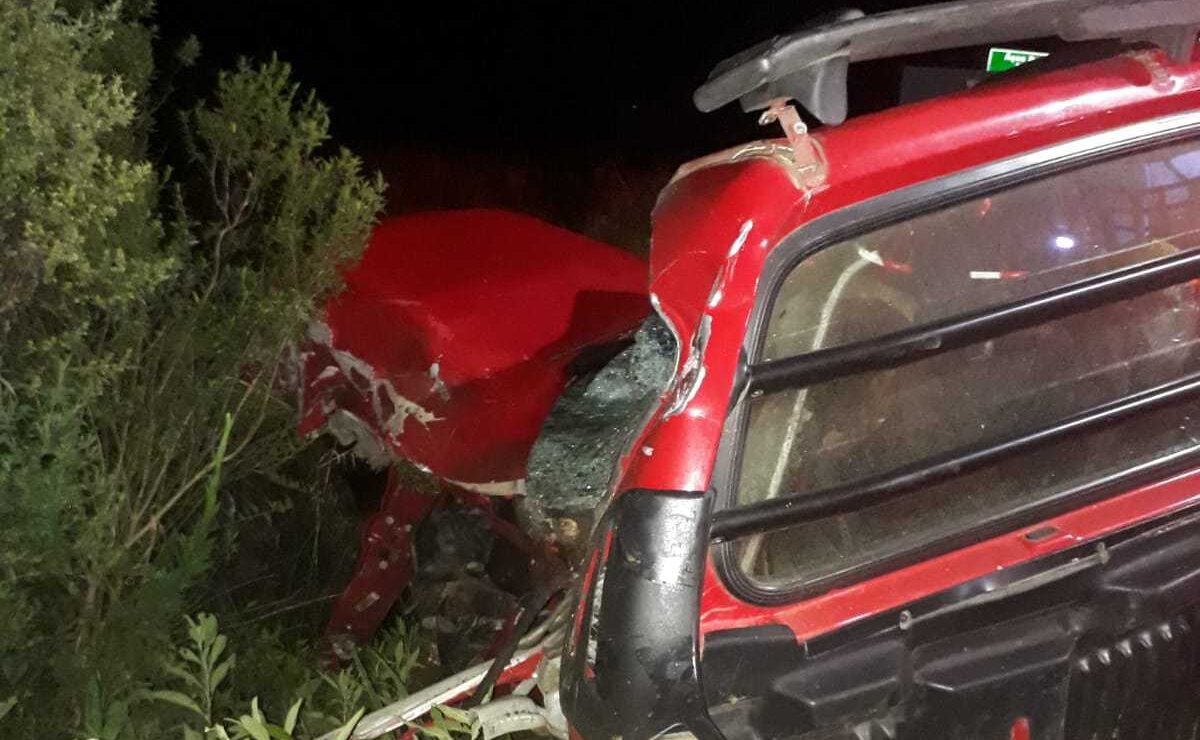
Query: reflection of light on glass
x=1063 y=242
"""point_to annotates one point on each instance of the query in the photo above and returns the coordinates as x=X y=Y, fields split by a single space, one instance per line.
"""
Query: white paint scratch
x=691 y=376
x=740 y=241
x=439 y=387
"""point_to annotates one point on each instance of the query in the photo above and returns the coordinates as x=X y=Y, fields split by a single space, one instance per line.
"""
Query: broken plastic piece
x=810 y=164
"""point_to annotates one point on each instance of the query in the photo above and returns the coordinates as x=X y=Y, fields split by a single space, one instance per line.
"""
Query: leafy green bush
x=205 y=666
x=144 y=317
x=202 y=667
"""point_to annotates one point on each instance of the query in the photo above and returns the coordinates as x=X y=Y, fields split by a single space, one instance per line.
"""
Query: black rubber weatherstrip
x=799 y=508
x=911 y=345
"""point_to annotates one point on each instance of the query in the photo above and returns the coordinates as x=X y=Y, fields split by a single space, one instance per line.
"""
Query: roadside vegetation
x=158 y=257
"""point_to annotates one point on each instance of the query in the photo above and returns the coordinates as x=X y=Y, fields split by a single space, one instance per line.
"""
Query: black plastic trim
x=809 y=65
x=635 y=674
x=882 y=211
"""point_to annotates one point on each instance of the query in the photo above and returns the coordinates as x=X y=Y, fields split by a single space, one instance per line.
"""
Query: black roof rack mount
x=809 y=66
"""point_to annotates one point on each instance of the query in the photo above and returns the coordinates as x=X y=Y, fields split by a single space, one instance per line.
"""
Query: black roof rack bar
x=798 y=508
x=809 y=66
x=910 y=345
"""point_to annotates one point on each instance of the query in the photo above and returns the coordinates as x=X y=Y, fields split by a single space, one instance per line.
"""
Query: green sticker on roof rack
x=1000 y=59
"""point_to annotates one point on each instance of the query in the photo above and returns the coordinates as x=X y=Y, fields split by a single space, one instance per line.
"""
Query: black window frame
x=868 y=216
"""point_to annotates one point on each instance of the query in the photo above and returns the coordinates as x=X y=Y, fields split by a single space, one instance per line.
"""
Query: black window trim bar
x=786 y=511
x=921 y=342
x=878 y=212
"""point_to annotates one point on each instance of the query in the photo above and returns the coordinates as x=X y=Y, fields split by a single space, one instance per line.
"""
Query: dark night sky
x=575 y=112
x=524 y=73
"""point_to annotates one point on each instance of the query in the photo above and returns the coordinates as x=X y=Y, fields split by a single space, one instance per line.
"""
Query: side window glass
x=980 y=253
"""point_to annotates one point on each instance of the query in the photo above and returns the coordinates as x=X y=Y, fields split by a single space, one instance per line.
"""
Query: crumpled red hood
x=454 y=333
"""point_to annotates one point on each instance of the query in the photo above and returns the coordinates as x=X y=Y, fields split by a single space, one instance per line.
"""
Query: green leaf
x=196 y=629
x=183 y=674
x=343 y=732
x=207 y=622
x=190 y=734
x=115 y=719
x=7 y=705
x=217 y=648
x=214 y=482
x=178 y=698
x=93 y=714
x=255 y=712
x=289 y=724
x=253 y=727
x=219 y=673
x=190 y=656
x=435 y=731
x=455 y=714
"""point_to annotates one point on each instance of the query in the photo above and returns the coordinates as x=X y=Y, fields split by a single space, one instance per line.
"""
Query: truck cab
x=929 y=462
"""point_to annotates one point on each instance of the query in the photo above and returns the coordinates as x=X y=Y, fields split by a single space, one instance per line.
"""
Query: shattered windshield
x=571 y=466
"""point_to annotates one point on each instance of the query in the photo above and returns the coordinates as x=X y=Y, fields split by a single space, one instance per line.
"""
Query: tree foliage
x=145 y=316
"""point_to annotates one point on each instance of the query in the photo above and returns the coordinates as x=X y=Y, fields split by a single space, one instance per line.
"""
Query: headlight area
x=630 y=668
